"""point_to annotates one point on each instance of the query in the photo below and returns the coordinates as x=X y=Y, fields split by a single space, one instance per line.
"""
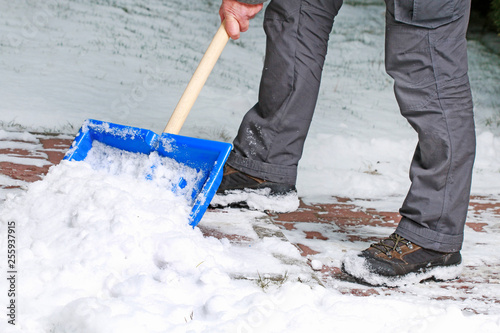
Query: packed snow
x=164 y=172
x=258 y=200
x=102 y=251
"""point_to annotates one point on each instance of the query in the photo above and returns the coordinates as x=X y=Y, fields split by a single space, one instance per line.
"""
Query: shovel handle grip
x=197 y=81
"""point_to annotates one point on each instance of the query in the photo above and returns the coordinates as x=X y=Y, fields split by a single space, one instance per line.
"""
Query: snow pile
x=114 y=253
x=104 y=249
x=164 y=172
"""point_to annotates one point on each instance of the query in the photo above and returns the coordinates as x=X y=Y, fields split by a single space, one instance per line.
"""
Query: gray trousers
x=426 y=56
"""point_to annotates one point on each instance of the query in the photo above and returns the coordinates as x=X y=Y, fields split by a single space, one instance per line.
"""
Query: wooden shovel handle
x=197 y=82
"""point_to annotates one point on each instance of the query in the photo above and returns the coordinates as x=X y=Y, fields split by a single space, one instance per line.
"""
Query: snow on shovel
x=205 y=156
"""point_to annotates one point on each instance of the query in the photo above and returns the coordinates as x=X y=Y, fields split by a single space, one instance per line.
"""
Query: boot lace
x=392 y=243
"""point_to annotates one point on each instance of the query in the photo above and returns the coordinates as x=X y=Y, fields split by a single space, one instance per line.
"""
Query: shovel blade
x=205 y=156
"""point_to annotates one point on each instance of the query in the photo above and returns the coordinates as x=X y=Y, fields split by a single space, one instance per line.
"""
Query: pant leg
x=271 y=136
x=427 y=57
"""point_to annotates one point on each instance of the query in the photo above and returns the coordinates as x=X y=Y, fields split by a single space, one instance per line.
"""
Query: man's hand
x=237 y=16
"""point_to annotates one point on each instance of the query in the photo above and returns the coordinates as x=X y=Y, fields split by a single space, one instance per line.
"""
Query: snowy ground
x=97 y=253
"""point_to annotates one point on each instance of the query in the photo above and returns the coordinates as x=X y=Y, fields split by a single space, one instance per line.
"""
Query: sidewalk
x=320 y=232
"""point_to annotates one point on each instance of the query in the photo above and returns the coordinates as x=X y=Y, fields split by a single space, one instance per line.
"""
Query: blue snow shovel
x=207 y=157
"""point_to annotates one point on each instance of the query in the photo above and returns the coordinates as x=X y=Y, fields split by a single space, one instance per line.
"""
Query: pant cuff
x=427 y=238
x=271 y=172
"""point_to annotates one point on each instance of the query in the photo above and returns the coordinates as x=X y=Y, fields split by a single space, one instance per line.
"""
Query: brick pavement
x=344 y=226
x=320 y=232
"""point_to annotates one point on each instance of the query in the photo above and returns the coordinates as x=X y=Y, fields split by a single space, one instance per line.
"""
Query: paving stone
x=306 y=250
x=315 y=235
x=28 y=173
x=46 y=149
x=233 y=238
x=301 y=215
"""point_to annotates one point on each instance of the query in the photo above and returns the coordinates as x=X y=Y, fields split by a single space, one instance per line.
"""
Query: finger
x=244 y=25
x=221 y=14
x=232 y=27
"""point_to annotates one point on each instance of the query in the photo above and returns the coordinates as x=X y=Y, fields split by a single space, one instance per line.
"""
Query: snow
x=164 y=172
x=114 y=253
x=259 y=200
x=21 y=160
x=17 y=136
x=104 y=252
